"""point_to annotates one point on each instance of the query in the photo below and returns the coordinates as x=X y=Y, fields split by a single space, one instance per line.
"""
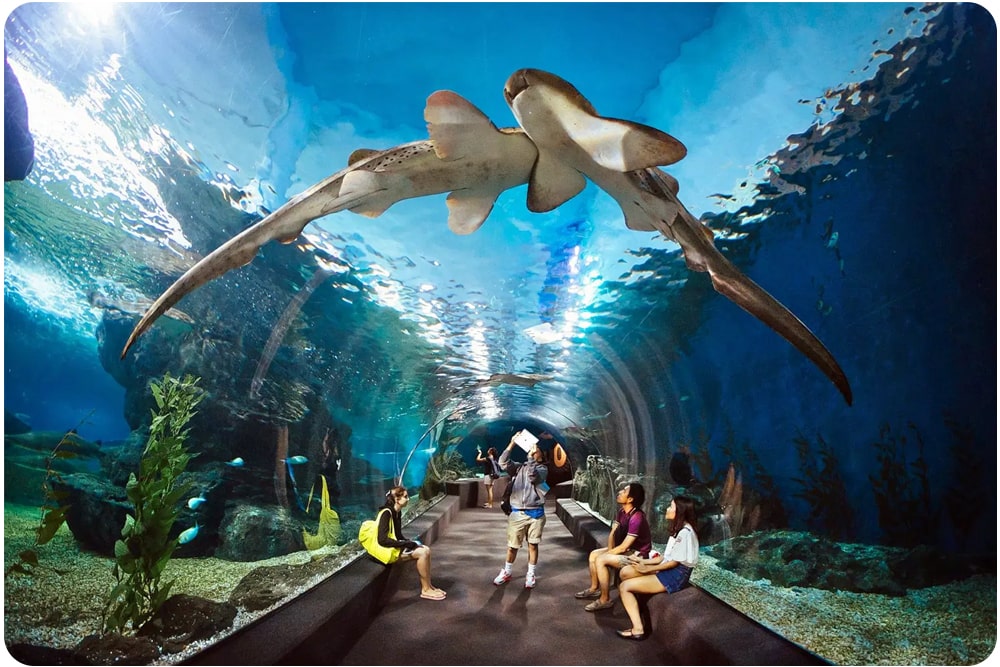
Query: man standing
x=527 y=516
x=629 y=535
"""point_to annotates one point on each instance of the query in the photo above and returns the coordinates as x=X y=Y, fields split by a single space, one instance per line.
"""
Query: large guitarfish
x=466 y=155
x=620 y=157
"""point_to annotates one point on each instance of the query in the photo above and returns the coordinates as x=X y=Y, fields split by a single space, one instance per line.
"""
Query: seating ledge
x=693 y=617
x=325 y=621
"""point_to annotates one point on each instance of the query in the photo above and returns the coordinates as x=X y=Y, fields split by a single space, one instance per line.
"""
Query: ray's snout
x=516 y=83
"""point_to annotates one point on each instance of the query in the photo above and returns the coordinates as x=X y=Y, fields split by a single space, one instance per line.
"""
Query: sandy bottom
x=953 y=624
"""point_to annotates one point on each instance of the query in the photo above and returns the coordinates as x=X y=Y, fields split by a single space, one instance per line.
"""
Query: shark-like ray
x=466 y=156
x=622 y=158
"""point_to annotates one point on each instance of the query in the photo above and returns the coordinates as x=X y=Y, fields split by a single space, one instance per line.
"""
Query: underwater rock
x=14 y=424
x=186 y=618
x=251 y=532
x=28 y=460
x=44 y=655
x=212 y=485
x=119 y=464
x=680 y=468
x=113 y=649
x=22 y=479
x=265 y=586
x=598 y=484
x=44 y=442
x=925 y=566
x=96 y=512
x=798 y=559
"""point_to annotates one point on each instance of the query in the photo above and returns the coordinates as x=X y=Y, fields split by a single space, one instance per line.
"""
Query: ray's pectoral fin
x=363 y=186
x=697 y=242
x=456 y=126
x=622 y=145
x=754 y=299
x=552 y=184
x=468 y=210
x=458 y=129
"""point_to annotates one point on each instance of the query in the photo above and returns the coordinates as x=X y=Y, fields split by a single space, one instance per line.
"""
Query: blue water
x=843 y=154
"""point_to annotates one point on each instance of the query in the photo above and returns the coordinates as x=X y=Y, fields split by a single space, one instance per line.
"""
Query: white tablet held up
x=525 y=440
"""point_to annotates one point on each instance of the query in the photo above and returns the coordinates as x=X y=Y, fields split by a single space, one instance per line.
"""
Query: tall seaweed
x=444 y=466
x=822 y=487
x=967 y=500
x=762 y=488
x=54 y=507
x=902 y=486
x=145 y=547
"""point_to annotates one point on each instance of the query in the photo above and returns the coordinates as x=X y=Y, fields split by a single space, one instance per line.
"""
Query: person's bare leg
x=592 y=564
x=627 y=590
x=423 y=555
x=604 y=564
x=532 y=553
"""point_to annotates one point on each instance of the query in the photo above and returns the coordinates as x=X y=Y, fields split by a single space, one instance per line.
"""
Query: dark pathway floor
x=482 y=624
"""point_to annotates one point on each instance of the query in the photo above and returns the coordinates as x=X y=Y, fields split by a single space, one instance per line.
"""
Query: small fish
x=236 y=463
x=296 y=460
x=195 y=503
x=188 y=534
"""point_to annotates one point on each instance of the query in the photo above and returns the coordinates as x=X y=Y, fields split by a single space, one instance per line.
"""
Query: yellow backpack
x=368 y=536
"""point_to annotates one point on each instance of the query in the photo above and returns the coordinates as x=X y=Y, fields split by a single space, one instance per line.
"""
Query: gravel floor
x=953 y=624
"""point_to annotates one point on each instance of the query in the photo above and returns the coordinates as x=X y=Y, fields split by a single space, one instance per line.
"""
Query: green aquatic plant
x=822 y=487
x=741 y=509
x=446 y=466
x=902 y=487
x=701 y=457
x=146 y=546
x=966 y=500
x=54 y=508
x=328 y=532
x=760 y=487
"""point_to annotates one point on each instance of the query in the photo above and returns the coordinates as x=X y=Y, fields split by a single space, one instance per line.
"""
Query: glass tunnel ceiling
x=391 y=345
x=594 y=315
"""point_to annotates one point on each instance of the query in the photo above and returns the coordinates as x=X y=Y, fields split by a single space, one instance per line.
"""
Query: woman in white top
x=668 y=573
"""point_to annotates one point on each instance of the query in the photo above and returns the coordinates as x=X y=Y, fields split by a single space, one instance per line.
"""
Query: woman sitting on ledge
x=667 y=574
x=391 y=535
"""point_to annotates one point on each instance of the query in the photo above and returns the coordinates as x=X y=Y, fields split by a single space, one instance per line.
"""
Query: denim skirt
x=675 y=578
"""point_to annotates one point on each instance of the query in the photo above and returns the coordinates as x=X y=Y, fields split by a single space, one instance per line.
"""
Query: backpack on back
x=368 y=536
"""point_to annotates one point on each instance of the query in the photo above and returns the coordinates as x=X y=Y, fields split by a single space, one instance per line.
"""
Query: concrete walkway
x=483 y=624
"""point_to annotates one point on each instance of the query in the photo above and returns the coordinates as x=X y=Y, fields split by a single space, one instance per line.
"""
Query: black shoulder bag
x=505 y=502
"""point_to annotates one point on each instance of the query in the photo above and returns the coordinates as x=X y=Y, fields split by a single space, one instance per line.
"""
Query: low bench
x=693 y=621
x=324 y=621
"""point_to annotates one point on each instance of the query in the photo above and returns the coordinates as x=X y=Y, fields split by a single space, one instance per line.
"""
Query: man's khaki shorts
x=520 y=525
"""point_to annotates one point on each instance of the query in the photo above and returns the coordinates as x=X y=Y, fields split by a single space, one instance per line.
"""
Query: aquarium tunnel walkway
x=367 y=614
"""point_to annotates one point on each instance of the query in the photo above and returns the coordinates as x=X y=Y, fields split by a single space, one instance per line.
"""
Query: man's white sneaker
x=529 y=581
x=502 y=578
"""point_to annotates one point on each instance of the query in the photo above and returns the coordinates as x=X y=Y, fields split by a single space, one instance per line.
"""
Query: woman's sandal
x=628 y=634
x=434 y=595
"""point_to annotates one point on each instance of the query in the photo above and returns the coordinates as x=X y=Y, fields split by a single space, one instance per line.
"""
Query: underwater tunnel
x=272 y=260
